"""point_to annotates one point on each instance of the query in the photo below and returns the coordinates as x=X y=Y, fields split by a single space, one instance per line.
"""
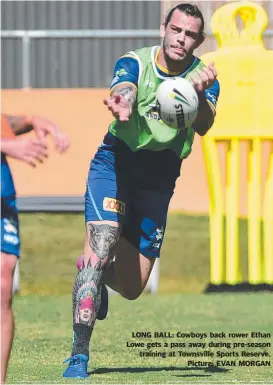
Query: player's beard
x=169 y=54
x=174 y=61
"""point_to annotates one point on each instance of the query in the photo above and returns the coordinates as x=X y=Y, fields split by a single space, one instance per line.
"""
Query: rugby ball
x=177 y=103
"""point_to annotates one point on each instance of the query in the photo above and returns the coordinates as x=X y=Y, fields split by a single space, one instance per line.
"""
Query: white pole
x=153 y=282
x=16 y=279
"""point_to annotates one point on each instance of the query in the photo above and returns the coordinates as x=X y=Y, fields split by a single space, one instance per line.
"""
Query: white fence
x=27 y=36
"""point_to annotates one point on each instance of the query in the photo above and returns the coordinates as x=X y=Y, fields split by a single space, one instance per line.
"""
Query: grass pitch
x=50 y=246
x=43 y=338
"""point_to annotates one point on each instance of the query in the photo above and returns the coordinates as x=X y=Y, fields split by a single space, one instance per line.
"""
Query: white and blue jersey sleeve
x=212 y=93
x=126 y=70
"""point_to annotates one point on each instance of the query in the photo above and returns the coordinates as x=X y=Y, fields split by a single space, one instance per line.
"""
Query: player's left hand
x=119 y=106
x=205 y=78
x=43 y=127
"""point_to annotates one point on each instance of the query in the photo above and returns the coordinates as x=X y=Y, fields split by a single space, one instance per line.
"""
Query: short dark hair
x=188 y=9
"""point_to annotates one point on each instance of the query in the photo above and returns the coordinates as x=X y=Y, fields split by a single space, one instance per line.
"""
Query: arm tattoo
x=128 y=92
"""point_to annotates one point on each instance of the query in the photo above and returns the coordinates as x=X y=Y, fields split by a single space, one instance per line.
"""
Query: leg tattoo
x=87 y=286
x=102 y=240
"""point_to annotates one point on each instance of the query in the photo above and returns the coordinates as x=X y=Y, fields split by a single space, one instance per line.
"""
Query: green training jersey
x=145 y=129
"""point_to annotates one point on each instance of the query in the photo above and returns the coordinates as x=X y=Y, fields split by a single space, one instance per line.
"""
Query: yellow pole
x=268 y=223
x=232 y=213
x=216 y=212
x=254 y=213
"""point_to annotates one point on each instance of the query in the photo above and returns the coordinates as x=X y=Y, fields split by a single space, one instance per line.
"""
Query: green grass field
x=51 y=244
x=43 y=338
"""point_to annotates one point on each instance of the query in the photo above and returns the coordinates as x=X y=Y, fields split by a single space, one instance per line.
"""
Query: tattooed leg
x=86 y=291
x=108 y=277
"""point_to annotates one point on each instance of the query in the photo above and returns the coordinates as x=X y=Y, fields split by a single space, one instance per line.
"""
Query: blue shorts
x=10 y=236
x=134 y=189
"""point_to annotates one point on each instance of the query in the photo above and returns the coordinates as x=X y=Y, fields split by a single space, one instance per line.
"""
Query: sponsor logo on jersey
x=121 y=72
x=153 y=112
x=114 y=205
x=118 y=74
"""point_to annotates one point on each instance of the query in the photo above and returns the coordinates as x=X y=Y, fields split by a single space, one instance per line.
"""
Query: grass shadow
x=192 y=375
x=216 y=369
x=211 y=369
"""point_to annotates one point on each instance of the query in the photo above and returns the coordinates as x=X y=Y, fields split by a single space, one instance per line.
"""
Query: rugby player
x=31 y=151
x=132 y=176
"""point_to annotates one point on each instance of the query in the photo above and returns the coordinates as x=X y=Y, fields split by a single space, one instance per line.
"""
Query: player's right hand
x=119 y=106
x=30 y=151
x=203 y=79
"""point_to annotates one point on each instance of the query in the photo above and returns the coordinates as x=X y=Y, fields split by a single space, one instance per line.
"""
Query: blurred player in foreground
x=132 y=176
x=31 y=151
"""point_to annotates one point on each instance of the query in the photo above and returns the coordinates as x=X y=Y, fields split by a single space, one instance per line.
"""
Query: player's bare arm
x=28 y=150
x=21 y=124
x=205 y=117
x=127 y=90
x=122 y=100
x=206 y=112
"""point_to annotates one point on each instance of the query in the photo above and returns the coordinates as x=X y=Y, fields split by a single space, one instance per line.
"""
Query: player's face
x=181 y=36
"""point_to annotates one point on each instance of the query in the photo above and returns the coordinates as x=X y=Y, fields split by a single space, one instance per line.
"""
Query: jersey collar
x=162 y=72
